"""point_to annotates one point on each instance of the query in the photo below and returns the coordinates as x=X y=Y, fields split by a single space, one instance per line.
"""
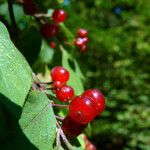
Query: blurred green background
x=117 y=62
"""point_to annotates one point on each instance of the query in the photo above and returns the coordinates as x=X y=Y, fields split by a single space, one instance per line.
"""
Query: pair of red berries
x=52 y=29
x=82 y=39
x=82 y=109
x=86 y=107
x=60 y=76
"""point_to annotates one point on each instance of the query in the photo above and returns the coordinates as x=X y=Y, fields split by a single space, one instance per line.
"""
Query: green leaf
x=30 y=43
x=15 y=73
x=76 y=75
x=46 y=53
x=38 y=122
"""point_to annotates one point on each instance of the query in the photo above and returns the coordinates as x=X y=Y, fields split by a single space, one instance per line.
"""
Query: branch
x=12 y=16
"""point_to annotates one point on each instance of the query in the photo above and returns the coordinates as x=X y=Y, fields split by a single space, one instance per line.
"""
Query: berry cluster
x=82 y=39
x=60 y=76
x=50 y=28
x=82 y=109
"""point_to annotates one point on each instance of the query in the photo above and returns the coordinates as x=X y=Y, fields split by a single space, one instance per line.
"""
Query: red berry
x=30 y=7
x=49 y=30
x=72 y=128
x=98 y=99
x=59 y=16
x=79 y=42
x=82 y=109
x=85 y=40
x=83 y=48
x=52 y=44
x=82 y=32
x=65 y=93
x=60 y=74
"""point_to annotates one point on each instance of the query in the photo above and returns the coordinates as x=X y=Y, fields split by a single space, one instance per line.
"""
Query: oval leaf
x=15 y=73
x=38 y=122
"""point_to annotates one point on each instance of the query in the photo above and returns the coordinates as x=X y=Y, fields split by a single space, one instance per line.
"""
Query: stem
x=12 y=16
x=59 y=105
x=58 y=143
x=44 y=82
x=59 y=118
x=65 y=140
x=51 y=88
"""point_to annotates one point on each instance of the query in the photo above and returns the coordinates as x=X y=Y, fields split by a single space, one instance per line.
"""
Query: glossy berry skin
x=79 y=42
x=82 y=33
x=52 y=44
x=72 y=128
x=60 y=74
x=59 y=16
x=98 y=99
x=65 y=93
x=58 y=84
x=85 y=40
x=82 y=109
x=49 y=30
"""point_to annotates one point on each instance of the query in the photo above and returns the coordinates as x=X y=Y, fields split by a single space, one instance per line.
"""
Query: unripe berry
x=65 y=93
x=97 y=98
x=72 y=128
x=60 y=74
x=59 y=16
x=49 y=30
x=82 y=33
x=82 y=109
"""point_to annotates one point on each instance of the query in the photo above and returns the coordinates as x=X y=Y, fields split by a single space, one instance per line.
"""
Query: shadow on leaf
x=12 y=138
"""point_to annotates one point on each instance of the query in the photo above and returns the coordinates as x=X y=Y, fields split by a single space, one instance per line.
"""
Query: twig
x=58 y=143
x=44 y=82
x=65 y=140
x=59 y=118
x=59 y=105
x=12 y=16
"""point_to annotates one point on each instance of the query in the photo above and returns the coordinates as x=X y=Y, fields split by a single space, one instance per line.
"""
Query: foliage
x=118 y=64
